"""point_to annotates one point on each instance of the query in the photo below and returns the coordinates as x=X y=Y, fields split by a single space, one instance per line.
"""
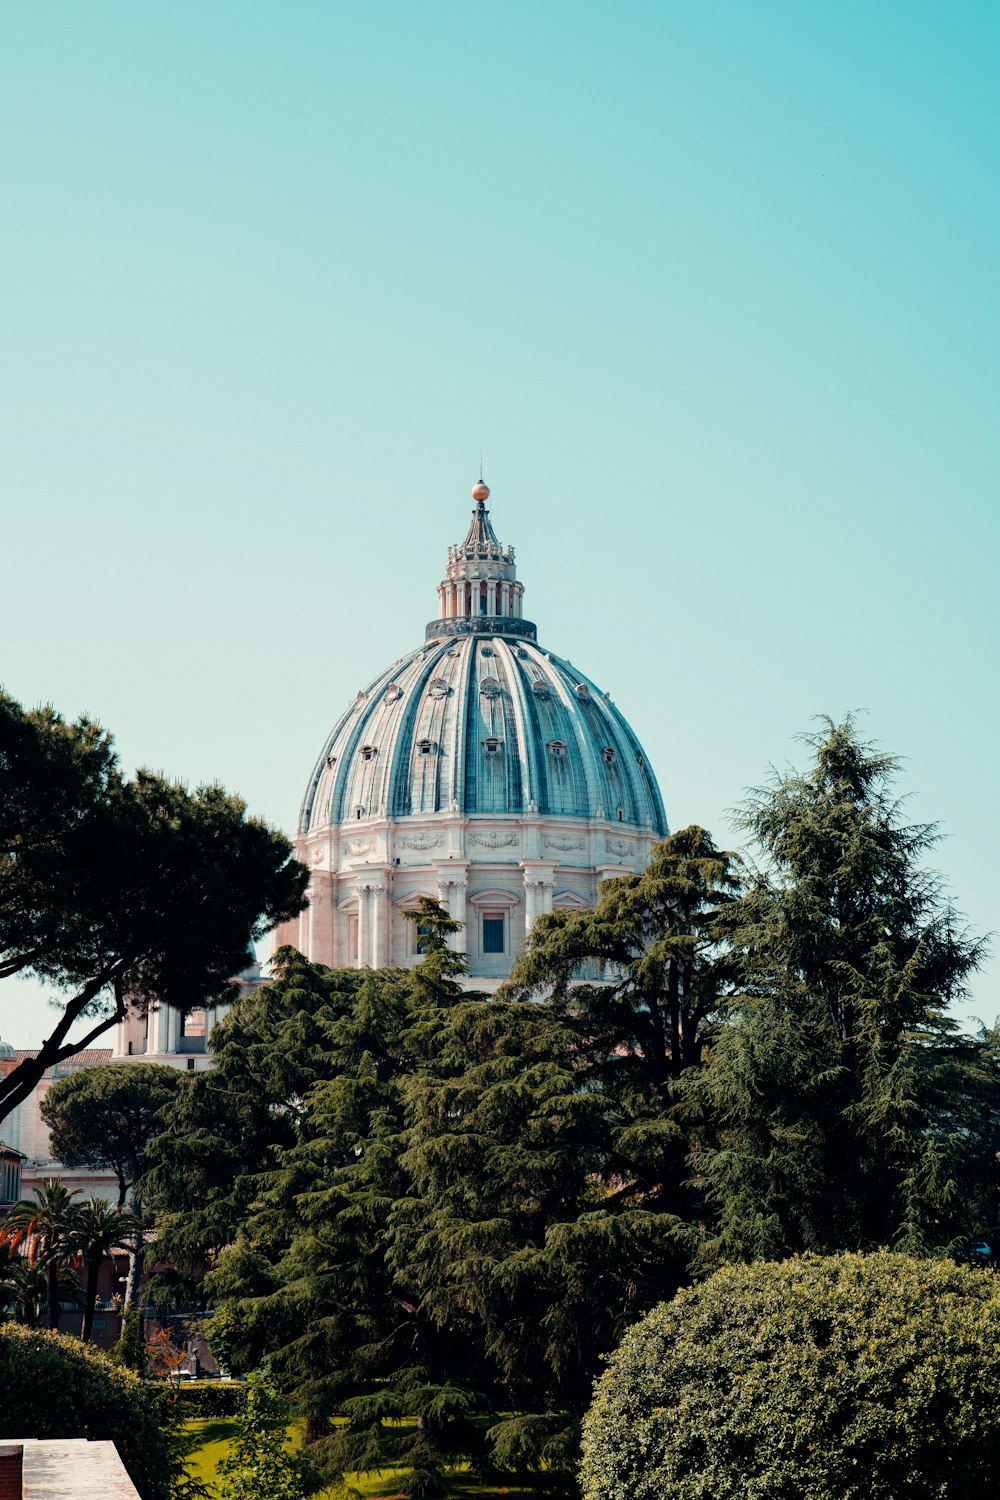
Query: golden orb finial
x=480 y=491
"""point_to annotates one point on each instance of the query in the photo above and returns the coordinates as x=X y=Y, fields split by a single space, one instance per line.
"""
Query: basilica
x=478 y=768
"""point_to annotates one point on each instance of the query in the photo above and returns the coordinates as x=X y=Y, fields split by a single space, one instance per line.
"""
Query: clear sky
x=714 y=286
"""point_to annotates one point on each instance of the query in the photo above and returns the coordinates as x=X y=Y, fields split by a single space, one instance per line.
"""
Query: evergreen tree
x=310 y=1281
x=641 y=982
x=122 y=893
x=845 y=1111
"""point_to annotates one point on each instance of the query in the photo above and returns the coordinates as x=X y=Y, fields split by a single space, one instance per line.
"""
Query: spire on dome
x=481 y=590
x=481 y=539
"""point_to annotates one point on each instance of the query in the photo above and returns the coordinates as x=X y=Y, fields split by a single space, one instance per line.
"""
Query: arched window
x=608 y=755
x=557 y=749
x=369 y=752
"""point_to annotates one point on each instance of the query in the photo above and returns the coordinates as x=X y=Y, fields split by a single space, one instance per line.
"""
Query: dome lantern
x=480 y=590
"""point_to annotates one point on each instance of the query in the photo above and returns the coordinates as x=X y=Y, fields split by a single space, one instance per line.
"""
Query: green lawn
x=211 y=1437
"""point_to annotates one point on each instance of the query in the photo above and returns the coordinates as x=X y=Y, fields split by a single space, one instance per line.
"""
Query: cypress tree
x=845 y=1111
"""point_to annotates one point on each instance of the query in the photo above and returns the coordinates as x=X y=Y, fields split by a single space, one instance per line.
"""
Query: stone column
x=491 y=597
x=538 y=884
x=379 y=936
x=314 y=898
x=505 y=598
x=530 y=908
x=364 y=938
x=452 y=889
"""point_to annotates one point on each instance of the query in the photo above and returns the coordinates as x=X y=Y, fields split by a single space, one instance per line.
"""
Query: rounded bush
x=845 y=1377
x=52 y=1386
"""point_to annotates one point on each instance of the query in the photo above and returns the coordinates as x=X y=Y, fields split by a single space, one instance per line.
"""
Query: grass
x=211 y=1436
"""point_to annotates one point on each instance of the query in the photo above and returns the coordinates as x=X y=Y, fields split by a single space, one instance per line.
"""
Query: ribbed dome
x=482 y=723
x=478 y=770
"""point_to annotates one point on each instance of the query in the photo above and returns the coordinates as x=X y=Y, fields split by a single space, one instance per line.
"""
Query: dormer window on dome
x=493 y=746
x=427 y=747
x=608 y=755
x=557 y=749
x=369 y=752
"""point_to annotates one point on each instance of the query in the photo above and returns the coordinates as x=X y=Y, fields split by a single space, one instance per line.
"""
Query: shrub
x=210 y=1398
x=848 y=1377
x=52 y=1386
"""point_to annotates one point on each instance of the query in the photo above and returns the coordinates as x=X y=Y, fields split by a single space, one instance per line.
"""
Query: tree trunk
x=52 y=1292
x=90 y=1300
x=136 y=1261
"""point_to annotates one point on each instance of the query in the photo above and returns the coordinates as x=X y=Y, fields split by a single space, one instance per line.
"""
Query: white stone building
x=480 y=769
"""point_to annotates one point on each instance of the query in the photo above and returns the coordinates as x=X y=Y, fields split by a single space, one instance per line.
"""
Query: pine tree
x=310 y=1280
x=845 y=1111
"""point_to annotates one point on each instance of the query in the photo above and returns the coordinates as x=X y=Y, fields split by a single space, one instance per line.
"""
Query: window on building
x=609 y=755
x=352 y=937
x=427 y=747
x=493 y=932
x=492 y=746
x=420 y=935
x=557 y=749
x=369 y=752
x=359 y=812
x=190 y=1064
x=621 y=815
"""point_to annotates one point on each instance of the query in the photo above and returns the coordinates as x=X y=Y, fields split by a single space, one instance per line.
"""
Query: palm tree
x=46 y=1228
x=99 y=1230
x=23 y=1288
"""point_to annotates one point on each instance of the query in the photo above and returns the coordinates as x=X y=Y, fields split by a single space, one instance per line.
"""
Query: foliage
x=123 y=893
x=310 y=1280
x=259 y=1466
x=211 y=1398
x=440 y=1225
x=843 y=1112
x=54 y=1386
x=46 y=1231
x=842 y=1378
x=107 y=1116
x=130 y=1350
x=164 y=1357
x=98 y=1231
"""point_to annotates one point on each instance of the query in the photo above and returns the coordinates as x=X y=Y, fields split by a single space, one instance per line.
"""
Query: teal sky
x=714 y=286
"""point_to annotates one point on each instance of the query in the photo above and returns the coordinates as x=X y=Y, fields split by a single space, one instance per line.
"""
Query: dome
x=478 y=769
x=482 y=725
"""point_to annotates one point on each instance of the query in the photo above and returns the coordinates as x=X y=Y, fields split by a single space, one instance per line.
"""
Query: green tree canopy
x=844 y=1111
x=839 y=1378
x=107 y=1117
x=122 y=892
